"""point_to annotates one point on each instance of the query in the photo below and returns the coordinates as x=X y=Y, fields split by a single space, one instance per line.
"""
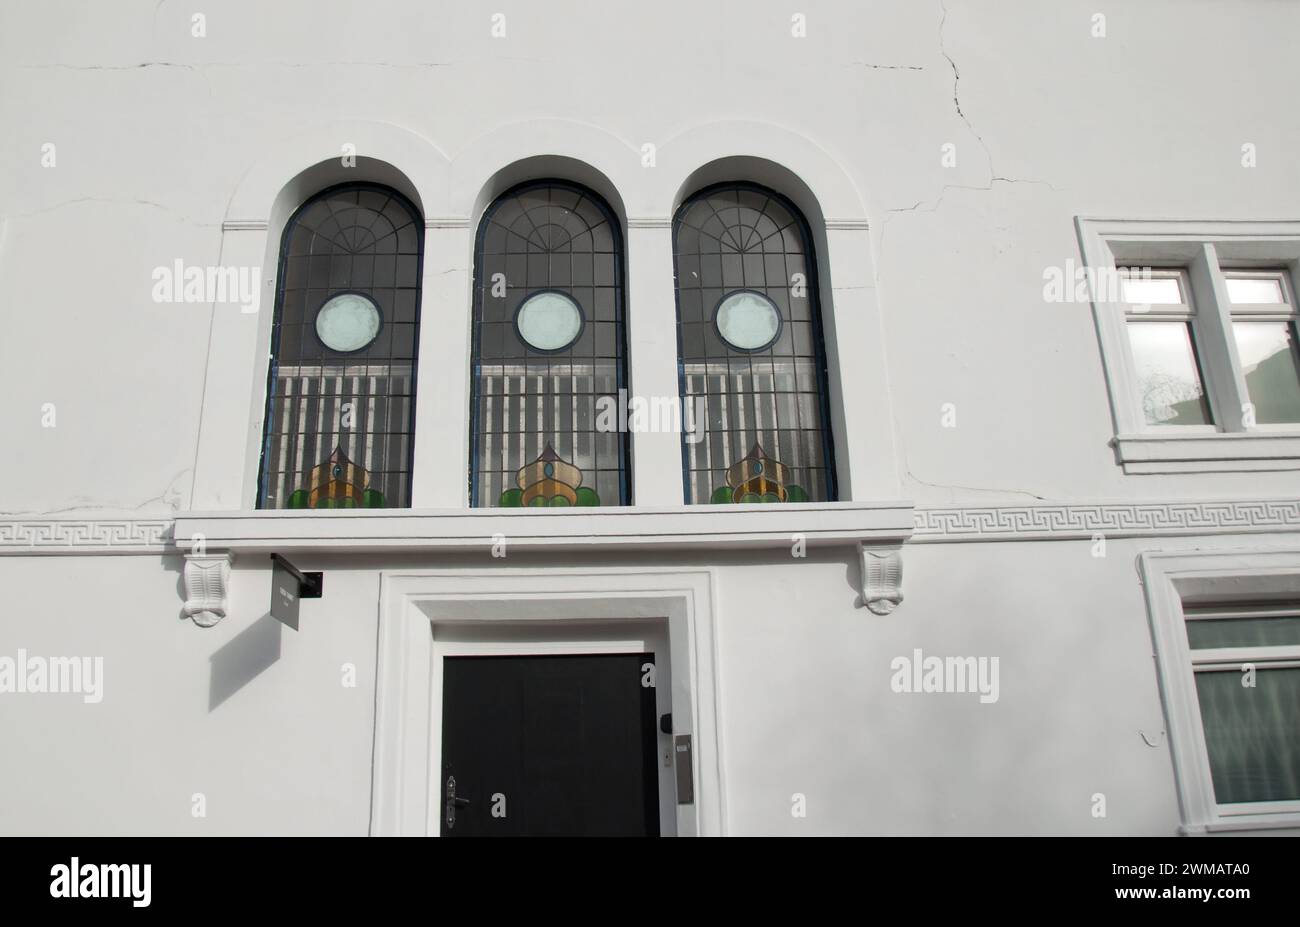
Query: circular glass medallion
x=747 y=320
x=348 y=322
x=549 y=321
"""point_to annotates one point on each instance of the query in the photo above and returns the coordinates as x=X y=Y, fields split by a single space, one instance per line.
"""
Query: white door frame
x=424 y=613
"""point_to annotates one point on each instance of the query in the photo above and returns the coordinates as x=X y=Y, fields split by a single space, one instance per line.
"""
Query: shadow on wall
x=243 y=659
x=853 y=576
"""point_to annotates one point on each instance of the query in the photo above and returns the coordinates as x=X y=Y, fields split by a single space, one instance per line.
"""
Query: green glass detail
x=512 y=499
x=721 y=496
x=795 y=494
x=298 y=499
x=372 y=499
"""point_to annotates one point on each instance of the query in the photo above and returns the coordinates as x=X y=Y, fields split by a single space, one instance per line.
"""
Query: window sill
x=628 y=528
x=1228 y=825
x=1208 y=453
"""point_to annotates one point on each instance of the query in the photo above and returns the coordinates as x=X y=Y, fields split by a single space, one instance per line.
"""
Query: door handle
x=453 y=802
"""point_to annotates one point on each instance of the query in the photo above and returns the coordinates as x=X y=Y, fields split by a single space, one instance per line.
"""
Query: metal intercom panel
x=685 y=766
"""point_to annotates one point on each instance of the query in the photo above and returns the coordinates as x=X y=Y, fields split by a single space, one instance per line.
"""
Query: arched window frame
x=815 y=314
x=476 y=322
x=274 y=351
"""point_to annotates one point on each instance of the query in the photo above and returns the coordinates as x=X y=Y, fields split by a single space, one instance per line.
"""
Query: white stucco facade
x=945 y=155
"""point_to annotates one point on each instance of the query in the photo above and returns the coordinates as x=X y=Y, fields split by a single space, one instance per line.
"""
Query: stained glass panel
x=753 y=368
x=341 y=392
x=549 y=352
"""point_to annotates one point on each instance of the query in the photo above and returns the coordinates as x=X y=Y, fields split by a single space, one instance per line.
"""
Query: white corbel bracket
x=882 y=577
x=207 y=579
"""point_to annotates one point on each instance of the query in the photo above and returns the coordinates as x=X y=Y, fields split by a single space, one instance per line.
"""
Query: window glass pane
x=1207 y=633
x=748 y=321
x=548 y=353
x=1260 y=290
x=1269 y=362
x=751 y=350
x=1152 y=291
x=1252 y=734
x=549 y=320
x=344 y=341
x=1169 y=381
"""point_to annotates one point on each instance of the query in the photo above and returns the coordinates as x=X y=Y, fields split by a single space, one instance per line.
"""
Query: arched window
x=341 y=392
x=751 y=359
x=549 y=351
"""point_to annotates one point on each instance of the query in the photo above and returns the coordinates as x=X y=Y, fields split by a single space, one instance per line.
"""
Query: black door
x=549 y=745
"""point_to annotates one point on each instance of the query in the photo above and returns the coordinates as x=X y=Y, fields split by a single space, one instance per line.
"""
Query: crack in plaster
x=134 y=201
x=956 y=81
x=890 y=67
x=994 y=177
x=170 y=497
x=1020 y=492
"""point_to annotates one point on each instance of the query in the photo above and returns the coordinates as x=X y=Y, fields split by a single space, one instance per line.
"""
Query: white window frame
x=1171 y=580
x=1184 y=314
x=1203 y=249
x=1284 y=311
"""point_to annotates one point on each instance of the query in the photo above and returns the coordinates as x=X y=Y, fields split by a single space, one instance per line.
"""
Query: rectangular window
x=1254 y=291
x=1247 y=672
x=1200 y=341
x=1164 y=288
x=1160 y=313
x=1226 y=629
x=1264 y=330
x=1168 y=374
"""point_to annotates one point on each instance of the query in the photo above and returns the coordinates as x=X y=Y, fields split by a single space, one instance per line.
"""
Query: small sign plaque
x=289 y=585
x=284 y=595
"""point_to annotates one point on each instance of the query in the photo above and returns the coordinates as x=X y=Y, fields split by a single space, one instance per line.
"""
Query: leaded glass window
x=549 y=352
x=752 y=362
x=344 y=341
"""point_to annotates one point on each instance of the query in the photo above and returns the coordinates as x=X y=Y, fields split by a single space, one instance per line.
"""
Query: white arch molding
x=452 y=191
x=455 y=187
x=271 y=177
x=785 y=161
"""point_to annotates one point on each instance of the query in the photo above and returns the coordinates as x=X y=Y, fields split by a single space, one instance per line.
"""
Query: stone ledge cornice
x=631 y=528
x=684 y=527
